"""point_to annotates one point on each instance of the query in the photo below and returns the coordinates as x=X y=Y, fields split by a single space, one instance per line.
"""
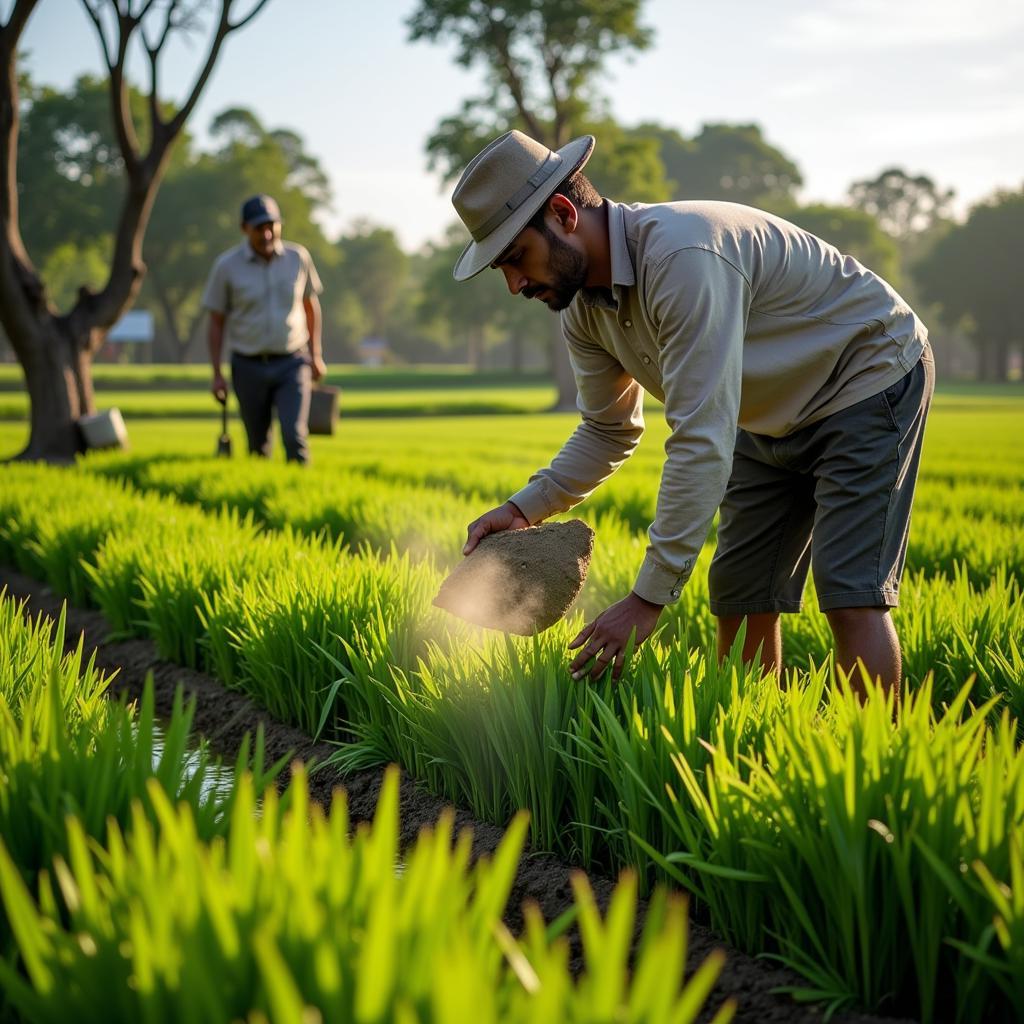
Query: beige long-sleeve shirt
x=733 y=318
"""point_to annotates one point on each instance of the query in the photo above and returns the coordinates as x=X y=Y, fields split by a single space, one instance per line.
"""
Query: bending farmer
x=262 y=298
x=796 y=385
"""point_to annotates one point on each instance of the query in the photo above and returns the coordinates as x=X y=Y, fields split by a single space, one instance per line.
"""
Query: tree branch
x=553 y=67
x=120 y=106
x=165 y=31
x=499 y=39
x=252 y=14
x=224 y=28
x=94 y=17
x=154 y=90
x=21 y=291
x=153 y=52
x=143 y=171
x=16 y=22
x=145 y=10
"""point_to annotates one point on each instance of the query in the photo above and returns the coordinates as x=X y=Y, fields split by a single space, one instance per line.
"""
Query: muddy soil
x=224 y=717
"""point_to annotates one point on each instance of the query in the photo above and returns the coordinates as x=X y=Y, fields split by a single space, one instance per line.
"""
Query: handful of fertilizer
x=520 y=581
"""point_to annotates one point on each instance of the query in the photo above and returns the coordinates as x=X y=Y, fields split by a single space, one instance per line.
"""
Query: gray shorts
x=834 y=496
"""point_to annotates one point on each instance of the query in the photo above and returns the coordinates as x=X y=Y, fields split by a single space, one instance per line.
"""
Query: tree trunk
x=1001 y=355
x=58 y=377
x=992 y=360
x=941 y=351
x=56 y=352
x=179 y=345
x=474 y=348
x=561 y=370
x=982 y=371
x=193 y=331
x=516 y=356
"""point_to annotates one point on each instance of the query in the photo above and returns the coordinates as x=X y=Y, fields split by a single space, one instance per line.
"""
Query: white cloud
x=795 y=89
x=990 y=74
x=892 y=24
x=938 y=127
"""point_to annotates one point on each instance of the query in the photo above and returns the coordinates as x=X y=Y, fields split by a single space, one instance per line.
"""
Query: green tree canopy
x=55 y=348
x=973 y=275
x=367 y=282
x=69 y=155
x=733 y=162
x=626 y=164
x=541 y=60
x=460 y=315
x=196 y=216
x=903 y=204
x=70 y=169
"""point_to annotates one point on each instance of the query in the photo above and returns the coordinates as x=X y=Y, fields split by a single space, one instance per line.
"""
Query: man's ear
x=564 y=210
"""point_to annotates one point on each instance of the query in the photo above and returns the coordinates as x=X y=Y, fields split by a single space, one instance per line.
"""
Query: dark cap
x=260 y=210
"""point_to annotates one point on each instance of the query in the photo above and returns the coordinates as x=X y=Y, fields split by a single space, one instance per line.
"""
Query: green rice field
x=153 y=392
x=878 y=851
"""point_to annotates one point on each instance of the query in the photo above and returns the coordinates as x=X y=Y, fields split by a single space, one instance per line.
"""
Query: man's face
x=263 y=237
x=541 y=265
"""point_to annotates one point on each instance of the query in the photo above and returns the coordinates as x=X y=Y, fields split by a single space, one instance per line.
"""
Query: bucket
x=323 y=409
x=104 y=430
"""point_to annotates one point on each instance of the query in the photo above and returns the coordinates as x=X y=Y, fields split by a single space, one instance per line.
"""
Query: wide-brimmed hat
x=504 y=185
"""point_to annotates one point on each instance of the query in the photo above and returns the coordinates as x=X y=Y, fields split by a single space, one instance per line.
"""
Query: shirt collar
x=623 y=271
x=252 y=255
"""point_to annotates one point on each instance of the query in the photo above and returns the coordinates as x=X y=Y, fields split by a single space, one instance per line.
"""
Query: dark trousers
x=834 y=497
x=265 y=383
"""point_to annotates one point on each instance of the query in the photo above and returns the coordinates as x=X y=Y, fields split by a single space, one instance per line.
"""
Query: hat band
x=518 y=198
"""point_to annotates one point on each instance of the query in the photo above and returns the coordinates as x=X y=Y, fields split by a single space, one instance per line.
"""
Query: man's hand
x=504 y=517
x=219 y=387
x=605 y=638
x=318 y=367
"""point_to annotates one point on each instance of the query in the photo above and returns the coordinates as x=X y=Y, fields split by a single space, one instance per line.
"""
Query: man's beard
x=568 y=269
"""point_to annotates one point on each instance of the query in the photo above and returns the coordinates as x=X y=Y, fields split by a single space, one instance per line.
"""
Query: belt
x=263 y=357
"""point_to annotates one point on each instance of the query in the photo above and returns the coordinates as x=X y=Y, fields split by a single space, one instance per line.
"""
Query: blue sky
x=844 y=87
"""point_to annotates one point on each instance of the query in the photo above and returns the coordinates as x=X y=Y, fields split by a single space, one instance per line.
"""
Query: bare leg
x=762 y=629
x=867 y=634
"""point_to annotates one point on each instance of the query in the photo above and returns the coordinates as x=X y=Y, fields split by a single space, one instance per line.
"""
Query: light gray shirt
x=262 y=299
x=733 y=318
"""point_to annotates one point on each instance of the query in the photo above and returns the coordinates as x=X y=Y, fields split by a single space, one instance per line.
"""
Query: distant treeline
x=962 y=277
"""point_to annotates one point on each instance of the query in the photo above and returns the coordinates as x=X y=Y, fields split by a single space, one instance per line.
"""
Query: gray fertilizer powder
x=520 y=581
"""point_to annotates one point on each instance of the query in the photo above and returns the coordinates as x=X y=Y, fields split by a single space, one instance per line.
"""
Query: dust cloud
x=520 y=581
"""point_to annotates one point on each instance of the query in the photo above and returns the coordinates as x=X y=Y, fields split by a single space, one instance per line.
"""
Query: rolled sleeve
x=313 y=285
x=611 y=406
x=699 y=302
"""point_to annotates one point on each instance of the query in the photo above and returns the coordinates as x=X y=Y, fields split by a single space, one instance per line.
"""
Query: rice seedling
x=879 y=858
x=67 y=750
x=289 y=916
x=852 y=840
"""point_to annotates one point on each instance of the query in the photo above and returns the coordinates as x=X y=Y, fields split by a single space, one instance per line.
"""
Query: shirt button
x=627 y=323
x=647 y=359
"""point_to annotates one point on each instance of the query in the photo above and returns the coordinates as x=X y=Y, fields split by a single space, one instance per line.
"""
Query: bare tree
x=55 y=349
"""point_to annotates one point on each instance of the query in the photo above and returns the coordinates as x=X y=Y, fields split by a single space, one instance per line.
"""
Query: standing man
x=796 y=385
x=262 y=298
